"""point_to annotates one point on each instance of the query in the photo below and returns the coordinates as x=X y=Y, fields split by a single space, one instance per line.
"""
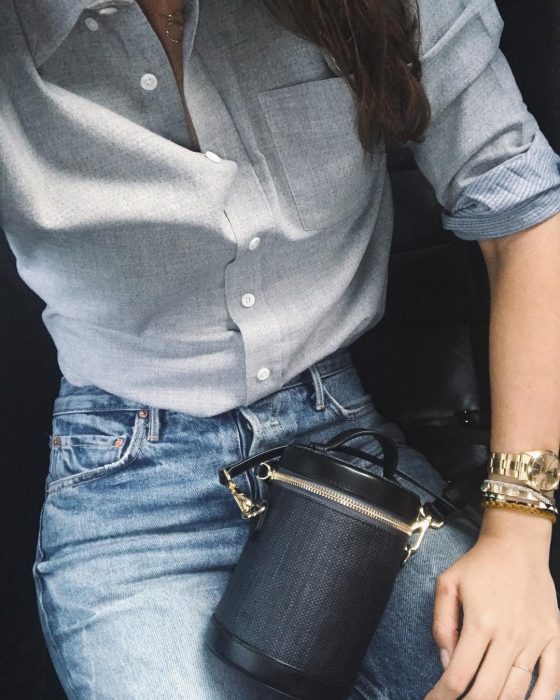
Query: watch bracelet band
x=535 y=506
x=515 y=465
x=499 y=505
x=505 y=488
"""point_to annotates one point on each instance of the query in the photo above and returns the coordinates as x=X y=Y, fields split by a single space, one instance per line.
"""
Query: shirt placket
x=249 y=218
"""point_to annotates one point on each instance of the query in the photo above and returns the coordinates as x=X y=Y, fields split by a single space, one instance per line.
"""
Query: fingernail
x=444 y=655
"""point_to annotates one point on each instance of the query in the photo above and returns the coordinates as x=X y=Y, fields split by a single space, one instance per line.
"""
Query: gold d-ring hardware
x=248 y=508
x=420 y=527
x=266 y=473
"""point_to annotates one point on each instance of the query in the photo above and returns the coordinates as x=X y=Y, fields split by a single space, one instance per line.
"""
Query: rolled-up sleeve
x=492 y=169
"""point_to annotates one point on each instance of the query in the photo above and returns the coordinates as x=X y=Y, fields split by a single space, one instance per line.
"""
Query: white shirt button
x=92 y=24
x=248 y=300
x=108 y=10
x=213 y=157
x=254 y=243
x=148 y=81
x=263 y=374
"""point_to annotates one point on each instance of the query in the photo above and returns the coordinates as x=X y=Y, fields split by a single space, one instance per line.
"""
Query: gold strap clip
x=419 y=528
x=249 y=509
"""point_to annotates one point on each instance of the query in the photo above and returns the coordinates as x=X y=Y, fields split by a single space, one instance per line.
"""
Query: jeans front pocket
x=87 y=445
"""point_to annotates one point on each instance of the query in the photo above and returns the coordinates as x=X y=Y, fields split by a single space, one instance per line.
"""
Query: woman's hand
x=510 y=614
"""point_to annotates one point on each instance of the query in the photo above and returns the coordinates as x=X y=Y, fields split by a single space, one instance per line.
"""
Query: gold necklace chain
x=175 y=25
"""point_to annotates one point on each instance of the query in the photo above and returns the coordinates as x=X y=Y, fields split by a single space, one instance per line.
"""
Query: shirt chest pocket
x=313 y=128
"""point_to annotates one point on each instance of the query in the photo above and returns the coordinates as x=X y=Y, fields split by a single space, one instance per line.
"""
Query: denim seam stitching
x=323 y=375
x=89 y=409
x=351 y=413
x=40 y=592
x=318 y=389
x=242 y=451
x=364 y=686
x=330 y=373
x=154 y=426
x=94 y=445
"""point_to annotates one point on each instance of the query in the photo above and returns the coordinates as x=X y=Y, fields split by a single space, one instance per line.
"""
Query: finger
x=517 y=683
x=548 y=681
x=520 y=676
x=494 y=670
x=445 y=626
x=467 y=657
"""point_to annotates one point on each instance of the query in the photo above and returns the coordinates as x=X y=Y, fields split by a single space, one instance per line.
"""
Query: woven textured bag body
x=318 y=568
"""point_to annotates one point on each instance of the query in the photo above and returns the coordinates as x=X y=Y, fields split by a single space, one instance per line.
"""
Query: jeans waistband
x=328 y=365
x=72 y=398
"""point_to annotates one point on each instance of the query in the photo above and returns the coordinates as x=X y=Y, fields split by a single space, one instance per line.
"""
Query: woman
x=207 y=254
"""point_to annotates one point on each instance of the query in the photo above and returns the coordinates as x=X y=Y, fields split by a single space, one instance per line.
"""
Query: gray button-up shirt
x=201 y=281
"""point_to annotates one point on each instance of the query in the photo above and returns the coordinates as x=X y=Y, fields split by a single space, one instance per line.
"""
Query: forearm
x=524 y=272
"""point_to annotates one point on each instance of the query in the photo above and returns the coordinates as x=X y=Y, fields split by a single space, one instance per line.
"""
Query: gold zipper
x=250 y=509
x=336 y=497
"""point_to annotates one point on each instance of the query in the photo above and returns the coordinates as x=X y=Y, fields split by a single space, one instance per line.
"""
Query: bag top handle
x=454 y=497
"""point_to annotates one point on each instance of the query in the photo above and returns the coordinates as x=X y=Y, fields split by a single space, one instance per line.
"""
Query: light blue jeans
x=137 y=540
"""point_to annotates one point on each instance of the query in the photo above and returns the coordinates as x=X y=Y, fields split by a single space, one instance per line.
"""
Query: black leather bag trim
x=274 y=674
x=329 y=470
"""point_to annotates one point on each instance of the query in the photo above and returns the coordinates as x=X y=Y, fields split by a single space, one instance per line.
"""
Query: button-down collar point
x=63 y=15
x=92 y=24
x=213 y=157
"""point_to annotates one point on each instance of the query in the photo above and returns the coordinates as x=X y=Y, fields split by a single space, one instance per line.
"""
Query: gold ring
x=523 y=668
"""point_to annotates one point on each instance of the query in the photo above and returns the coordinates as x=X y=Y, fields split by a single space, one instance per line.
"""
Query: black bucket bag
x=319 y=565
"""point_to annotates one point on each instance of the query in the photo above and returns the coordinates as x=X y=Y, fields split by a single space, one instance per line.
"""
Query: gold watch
x=539 y=469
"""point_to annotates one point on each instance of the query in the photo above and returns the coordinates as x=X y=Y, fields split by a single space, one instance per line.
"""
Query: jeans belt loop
x=318 y=389
x=154 y=424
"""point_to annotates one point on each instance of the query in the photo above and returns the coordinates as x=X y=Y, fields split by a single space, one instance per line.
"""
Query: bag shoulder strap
x=454 y=497
x=243 y=465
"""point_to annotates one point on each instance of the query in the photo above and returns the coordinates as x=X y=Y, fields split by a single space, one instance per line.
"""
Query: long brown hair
x=375 y=44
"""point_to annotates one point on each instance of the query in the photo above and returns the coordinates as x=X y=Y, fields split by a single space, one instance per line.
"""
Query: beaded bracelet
x=530 y=510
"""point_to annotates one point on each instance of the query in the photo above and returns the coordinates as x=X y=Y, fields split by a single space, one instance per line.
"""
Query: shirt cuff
x=515 y=195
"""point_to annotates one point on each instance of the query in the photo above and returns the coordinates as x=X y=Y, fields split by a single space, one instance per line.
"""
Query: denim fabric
x=204 y=281
x=137 y=540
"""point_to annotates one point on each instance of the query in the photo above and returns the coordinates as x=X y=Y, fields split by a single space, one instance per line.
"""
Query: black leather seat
x=425 y=363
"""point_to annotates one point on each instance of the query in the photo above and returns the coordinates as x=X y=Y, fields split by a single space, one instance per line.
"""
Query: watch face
x=544 y=472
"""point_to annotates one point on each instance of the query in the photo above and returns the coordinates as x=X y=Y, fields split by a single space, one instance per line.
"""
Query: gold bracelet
x=530 y=510
x=515 y=491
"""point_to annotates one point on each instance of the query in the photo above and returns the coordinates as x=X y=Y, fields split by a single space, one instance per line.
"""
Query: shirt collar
x=46 y=23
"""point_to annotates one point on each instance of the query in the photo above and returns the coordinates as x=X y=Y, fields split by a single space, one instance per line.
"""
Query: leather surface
x=350 y=479
x=267 y=670
x=312 y=602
